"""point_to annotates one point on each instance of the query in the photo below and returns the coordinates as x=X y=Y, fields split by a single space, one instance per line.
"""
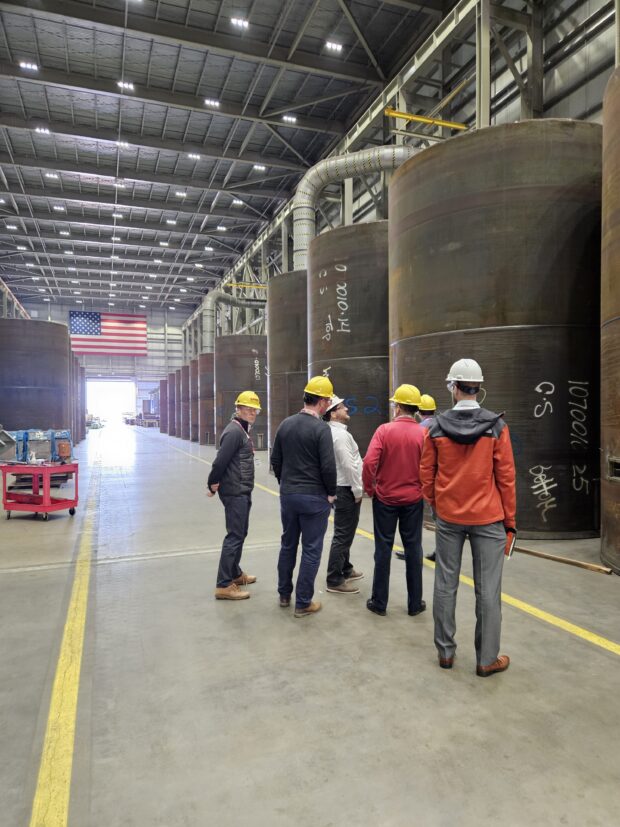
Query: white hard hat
x=333 y=403
x=465 y=370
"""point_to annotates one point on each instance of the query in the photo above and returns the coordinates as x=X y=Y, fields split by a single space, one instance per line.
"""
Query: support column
x=483 y=64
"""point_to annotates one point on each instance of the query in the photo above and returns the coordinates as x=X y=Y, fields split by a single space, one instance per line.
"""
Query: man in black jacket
x=232 y=477
x=304 y=464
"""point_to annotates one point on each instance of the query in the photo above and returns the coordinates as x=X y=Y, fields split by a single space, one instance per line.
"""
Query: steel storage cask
x=494 y=255
x=206 y=400
x=348 y=321
x=239 y=365
x=37 y=380
x=610 y=329
x=287 y=346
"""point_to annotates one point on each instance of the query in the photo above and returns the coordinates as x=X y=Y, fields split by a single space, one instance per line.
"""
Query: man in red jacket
x=468 y=477
x=391 y=477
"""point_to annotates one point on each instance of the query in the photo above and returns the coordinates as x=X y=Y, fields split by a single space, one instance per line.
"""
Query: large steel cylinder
x=163 y=406
x=177 y=402
x=35 y=388
x=610 y=329
x=287 y=346
x=184 y=402
x=239 y=365
x=494 y=255
x=347 y=321
x=193 y=400
x=206 y=400
x=172 y=404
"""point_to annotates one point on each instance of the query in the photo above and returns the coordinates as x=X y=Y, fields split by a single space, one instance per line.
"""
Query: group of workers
x=460 y=462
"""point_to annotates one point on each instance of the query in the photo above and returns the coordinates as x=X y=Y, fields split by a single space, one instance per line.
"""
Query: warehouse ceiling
x=145 y=143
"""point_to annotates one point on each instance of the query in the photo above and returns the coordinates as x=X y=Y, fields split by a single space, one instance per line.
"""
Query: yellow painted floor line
x=50 y=806
x=546 y=617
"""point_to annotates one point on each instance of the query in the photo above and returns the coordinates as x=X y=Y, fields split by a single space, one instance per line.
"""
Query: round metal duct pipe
x=239 y=365
x=36 y=378
x=337 y=168
x=494 y=255
x=287 y=346
x=610 y=329
x=348 y=321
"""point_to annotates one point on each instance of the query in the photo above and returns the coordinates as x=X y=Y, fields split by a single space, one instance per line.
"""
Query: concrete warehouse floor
x=197 y=712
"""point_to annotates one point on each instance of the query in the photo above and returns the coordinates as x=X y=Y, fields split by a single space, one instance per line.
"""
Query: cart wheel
x=45 y=516
x=8 y=515
x=72 y=511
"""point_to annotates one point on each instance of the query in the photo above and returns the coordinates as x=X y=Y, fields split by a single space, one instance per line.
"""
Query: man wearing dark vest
x=232 y=477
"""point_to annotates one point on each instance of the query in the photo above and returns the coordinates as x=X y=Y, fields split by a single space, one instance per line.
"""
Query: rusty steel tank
x=184 y=402
x=163 y=406
x=172 y=404
x=177 y=402
x=35 y=375
x=610 y=329
x=494 y=255
x=347 y=321
x=206 y=400
x=240 y=365
x=193 y=400
x=287 y=346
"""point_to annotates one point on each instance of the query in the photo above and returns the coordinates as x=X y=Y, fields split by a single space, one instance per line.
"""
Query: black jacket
x=233 y=467
x=303 y=458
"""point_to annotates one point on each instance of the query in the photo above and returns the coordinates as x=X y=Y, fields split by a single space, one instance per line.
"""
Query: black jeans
x=408 y=518
x=346 y=518
x=237 y=510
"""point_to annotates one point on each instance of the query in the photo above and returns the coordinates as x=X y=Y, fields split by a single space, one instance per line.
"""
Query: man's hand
x=331 y=500
x=358 y=500
x=211 y=491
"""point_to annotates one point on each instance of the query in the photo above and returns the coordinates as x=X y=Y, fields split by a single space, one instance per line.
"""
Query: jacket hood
x=467 y=425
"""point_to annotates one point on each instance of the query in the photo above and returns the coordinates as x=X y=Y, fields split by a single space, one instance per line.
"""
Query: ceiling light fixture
x=71 y=269
x=289 y=118
x=115 y=257
x=21 y=247
x=259 y=167
x=58 y=208
x=240 y=22
x=157 y=261
x=180 y=194
x=194 y=156
x=117 y=215
x=163 y=244
x=77 y=292
x=171 y=221
x=333 y=46
x=199 y=266
x=29 y=264
x=221 y=228
x=212 y=102
x=122 y=144
x=190 y=278
x=112 y=284
x=209 y=249
x=41 y=289
x=35 y=278
x=182 y=290
x=112 y=295
x=52 y=175
x=142 y=306
x=147 y=287
x=46 y=300
x=237 y=202
x=115 y=238
x=73 y=281
x=177 y=300
x=172 y=308
x=11 y=226
x=119 y=185
x=144 y=297
x=79 y=301
x=42 y=130
x=110 y=304
x=125 y=84
x=64 y=232
x=26 y=64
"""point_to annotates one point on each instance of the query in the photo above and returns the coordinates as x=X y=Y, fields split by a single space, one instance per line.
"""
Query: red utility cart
x=39 y=503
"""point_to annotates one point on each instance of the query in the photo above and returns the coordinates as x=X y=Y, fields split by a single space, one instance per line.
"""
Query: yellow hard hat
x=407 y=395
x=427 y=403
x=320 y=386
x=248 y=399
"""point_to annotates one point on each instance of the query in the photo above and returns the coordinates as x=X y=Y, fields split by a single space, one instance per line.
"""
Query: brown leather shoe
x=500 y=665
x=344 y=588
x=232 y=592
x=285 y=602
x=355 y=575
x=245 y=579
x=446 y=663
x=302 y=611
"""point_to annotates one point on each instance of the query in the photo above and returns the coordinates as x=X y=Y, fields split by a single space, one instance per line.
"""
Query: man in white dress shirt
x=341 y=575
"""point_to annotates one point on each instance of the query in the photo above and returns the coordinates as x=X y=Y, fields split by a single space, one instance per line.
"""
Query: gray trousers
x=487 y=548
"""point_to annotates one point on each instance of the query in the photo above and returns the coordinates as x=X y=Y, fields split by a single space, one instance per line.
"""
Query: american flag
x=118 y=334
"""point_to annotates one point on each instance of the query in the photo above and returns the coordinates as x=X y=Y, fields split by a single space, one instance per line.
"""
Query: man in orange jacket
x=390 y=476
x=468 y=477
